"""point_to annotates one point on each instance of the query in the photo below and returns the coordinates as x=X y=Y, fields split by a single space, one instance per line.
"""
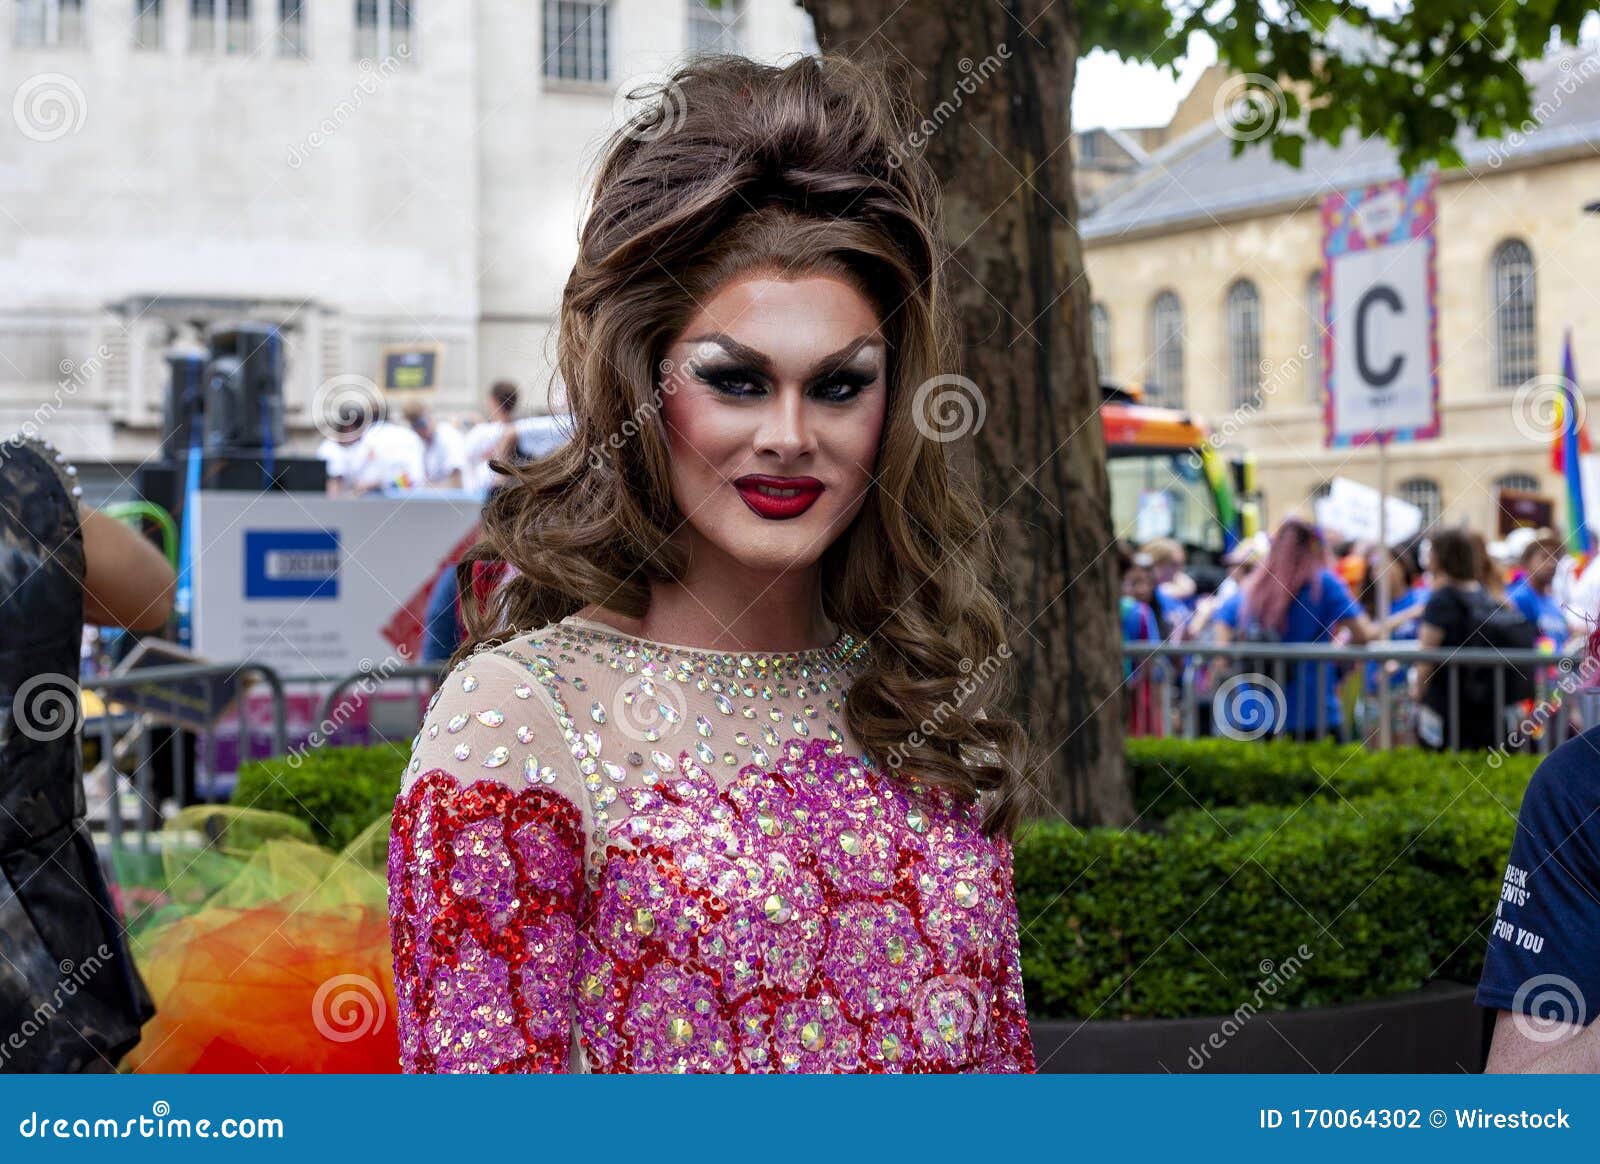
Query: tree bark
x=1001 y=152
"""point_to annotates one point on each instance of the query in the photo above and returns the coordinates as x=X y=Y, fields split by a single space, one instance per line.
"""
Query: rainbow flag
x=1570 y=441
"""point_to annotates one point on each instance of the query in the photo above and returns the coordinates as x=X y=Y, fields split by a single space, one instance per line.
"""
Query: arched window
x=1516 y=356
x=1100 y=329
x=1166 y=351
x=1244 y=344
x=1518 y=483
x=1423 y=492
x=1314 y=336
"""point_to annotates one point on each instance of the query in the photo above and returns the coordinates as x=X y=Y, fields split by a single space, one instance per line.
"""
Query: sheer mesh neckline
x=843 y=650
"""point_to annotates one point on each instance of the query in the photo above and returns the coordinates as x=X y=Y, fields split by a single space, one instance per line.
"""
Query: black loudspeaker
x=185 y=400
x=243 y=391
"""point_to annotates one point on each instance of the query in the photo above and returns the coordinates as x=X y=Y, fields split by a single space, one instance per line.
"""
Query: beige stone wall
x=1481 y=438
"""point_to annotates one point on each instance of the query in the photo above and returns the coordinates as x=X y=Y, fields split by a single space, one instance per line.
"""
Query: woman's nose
x=785 y=427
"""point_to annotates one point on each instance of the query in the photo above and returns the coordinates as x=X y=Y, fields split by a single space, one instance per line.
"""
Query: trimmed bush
x=337 y=791
x=1384 y=866
x=1171 y=776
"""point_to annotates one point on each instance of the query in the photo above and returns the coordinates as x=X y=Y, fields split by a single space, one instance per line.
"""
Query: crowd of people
x=1446 y=588
x=369 y=452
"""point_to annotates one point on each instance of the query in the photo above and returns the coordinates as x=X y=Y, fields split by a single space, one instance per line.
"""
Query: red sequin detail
x=817 y=917
x=484 y=886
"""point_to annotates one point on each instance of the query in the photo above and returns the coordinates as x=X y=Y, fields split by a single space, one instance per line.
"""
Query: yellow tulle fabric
x=270 y=954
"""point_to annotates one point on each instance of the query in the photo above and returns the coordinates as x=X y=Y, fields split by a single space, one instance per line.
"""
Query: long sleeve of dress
x=1010 y=1047
x=486 y=880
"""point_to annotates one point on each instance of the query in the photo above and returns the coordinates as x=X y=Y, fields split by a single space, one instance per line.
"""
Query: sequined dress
x=615 y=855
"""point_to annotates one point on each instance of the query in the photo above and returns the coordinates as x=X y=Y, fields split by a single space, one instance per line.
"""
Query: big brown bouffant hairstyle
x=735 y=167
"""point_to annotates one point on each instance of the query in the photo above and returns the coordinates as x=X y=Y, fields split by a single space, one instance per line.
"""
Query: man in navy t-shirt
x=1542 y=969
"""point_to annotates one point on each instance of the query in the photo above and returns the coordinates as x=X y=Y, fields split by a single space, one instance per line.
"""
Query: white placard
x=1351 y=509
x=306 y=584
x=1383 y=373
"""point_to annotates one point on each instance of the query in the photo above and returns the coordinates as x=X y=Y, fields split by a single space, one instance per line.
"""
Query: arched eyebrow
x=825 y=365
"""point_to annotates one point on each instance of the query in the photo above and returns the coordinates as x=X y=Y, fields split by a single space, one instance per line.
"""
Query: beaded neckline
x=843 y=651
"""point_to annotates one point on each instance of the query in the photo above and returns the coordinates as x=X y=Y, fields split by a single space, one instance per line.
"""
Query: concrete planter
x=1436 y=1029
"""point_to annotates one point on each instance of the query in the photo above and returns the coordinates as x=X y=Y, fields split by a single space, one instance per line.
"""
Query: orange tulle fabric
x=274 y=954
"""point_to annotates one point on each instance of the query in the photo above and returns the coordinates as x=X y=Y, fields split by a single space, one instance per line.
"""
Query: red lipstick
x=778 y=498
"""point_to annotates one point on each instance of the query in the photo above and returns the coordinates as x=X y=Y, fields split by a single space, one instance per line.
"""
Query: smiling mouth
x=777 y=498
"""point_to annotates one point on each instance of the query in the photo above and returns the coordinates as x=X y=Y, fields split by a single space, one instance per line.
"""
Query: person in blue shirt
x=1141 y=624
x=441 y=630
x=1541 y=970
x=1292 y=597
x=1408 y=595
x=1174 y=592
x=1531 y=593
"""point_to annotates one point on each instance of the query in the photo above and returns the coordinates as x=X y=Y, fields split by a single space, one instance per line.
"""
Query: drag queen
x=722 y=779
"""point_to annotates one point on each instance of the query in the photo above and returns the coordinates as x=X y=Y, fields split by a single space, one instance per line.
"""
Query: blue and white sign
x=308 y=584
x=291 y=563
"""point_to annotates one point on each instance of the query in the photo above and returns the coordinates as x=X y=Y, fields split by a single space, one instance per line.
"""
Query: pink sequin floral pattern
x=484 y=887
x=798 y=911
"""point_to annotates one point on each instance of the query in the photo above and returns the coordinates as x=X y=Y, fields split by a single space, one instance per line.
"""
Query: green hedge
x=1172 y=776
x=1385 y=866
x=338 y=791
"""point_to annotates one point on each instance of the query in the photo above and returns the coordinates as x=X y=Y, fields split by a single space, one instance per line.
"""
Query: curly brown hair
x=735 y=166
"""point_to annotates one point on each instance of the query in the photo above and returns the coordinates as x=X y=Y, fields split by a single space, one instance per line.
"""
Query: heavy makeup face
x=774 y=398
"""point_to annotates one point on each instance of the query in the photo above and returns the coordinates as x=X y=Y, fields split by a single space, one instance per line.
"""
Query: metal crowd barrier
x=1166 y=694
x=336 y=702
x=1163 y=694
x=180 y=698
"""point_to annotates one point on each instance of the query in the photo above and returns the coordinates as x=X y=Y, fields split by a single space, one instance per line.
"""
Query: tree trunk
x=995 y=83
